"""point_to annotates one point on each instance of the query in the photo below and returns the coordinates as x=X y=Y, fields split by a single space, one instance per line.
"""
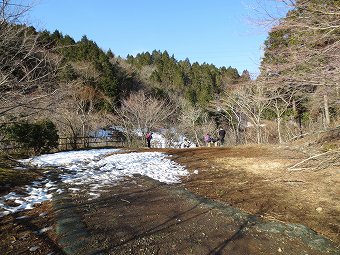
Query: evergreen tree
x=199 y=83
x=110 y=54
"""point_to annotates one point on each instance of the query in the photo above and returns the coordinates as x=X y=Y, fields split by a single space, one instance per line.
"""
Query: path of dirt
x=142 y=216
x=256 y=179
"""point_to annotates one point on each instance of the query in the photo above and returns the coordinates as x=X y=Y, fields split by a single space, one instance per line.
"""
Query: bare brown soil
x=140 y=216
x=22 y=235
x=257 y=180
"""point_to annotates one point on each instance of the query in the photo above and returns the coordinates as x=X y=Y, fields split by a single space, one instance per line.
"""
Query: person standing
x=221 y=135
x=148 y=137
x=207 y=139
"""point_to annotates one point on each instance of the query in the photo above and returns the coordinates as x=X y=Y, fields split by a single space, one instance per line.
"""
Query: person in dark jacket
x=221 y=135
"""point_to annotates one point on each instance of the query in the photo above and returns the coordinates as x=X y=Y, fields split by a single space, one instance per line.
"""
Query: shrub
x=41 y=136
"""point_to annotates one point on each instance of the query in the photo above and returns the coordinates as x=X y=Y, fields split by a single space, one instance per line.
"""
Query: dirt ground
x=141 y=216
x=257 y=180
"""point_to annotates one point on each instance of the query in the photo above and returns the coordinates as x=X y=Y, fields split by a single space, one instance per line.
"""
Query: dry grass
x=257 y=179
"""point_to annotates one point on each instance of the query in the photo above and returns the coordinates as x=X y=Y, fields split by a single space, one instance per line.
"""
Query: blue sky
x=215 y=31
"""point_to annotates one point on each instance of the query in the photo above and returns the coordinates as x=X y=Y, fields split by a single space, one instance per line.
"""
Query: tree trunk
x=294 y=107
x=279 y=129
x=326 y=109
x=297 y=116
x=197 y=140
x=258 y=133
x=237 y=133
x=83 y=132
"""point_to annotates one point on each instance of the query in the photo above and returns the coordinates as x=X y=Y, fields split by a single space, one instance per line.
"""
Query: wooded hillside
x=81 y=88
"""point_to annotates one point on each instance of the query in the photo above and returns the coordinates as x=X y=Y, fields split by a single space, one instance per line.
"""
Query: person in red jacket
x=148 y=137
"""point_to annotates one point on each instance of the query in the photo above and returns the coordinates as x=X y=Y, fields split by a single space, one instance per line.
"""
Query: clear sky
x=212 y=31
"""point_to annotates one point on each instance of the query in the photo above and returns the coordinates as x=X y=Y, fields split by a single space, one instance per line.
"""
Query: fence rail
x=66 y=143
x=90 y=142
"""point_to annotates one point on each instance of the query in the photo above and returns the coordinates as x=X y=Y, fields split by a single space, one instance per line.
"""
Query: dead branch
x=328 y=158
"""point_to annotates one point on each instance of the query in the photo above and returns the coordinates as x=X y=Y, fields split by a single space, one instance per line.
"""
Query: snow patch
x=90 y=171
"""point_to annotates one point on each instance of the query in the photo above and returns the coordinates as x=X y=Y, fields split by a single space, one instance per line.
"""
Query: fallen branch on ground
x=326 y=159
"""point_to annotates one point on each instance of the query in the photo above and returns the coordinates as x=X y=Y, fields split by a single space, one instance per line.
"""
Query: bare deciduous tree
x=14 y=11
x=142 y=113
x=303 y=50
x=75 y=113
x=249 y=99
x=26 y=67
x=195 y=123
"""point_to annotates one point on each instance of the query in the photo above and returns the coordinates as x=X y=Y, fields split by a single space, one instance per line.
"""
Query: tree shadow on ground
x=28 y=224
x=238 y=234
x=142 y=214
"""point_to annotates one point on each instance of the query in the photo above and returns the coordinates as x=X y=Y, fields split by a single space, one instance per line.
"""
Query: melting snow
x=96 y=169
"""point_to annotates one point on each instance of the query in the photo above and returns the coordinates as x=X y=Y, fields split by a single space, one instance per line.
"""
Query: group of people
x=208 y=139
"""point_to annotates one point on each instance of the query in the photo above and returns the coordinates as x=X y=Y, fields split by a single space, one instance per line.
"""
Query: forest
x=51 y=84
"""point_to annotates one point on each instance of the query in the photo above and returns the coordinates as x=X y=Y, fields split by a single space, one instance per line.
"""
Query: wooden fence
x=72 y=143
x=90 y=142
